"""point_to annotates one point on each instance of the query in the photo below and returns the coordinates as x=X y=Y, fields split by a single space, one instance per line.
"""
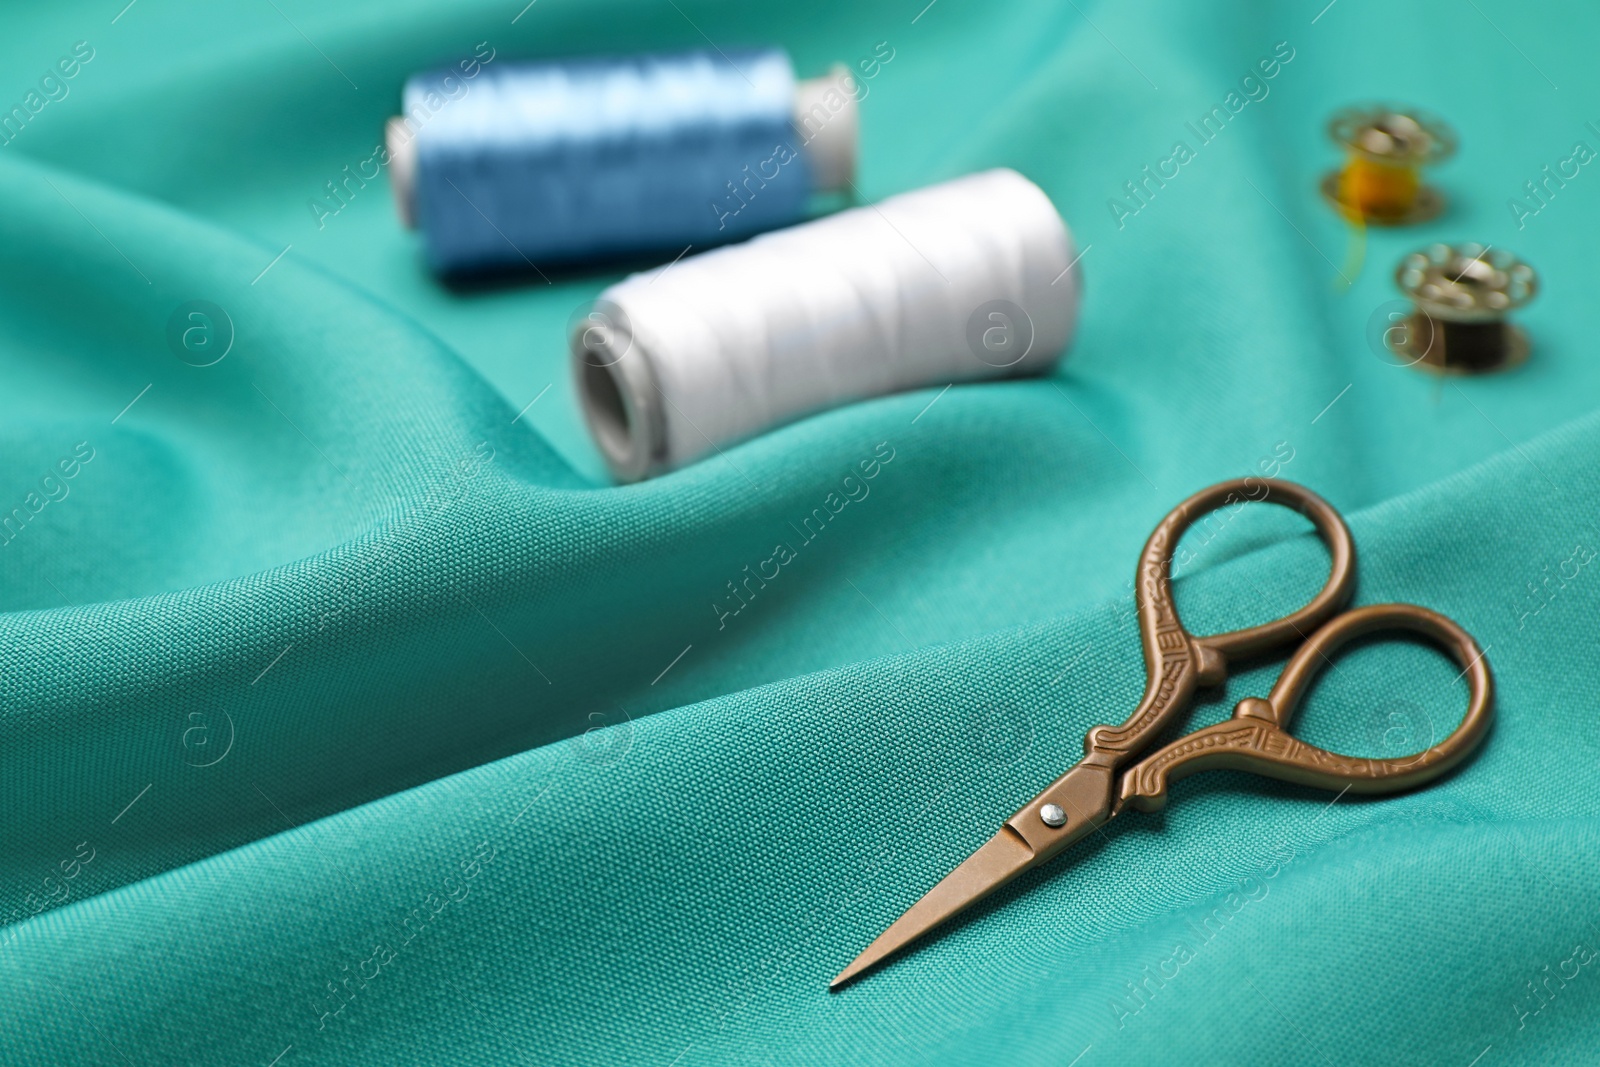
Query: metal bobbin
x=1463 y=294
x=1381 y=180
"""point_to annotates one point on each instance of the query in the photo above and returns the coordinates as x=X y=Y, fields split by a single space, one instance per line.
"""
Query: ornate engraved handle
x=1255 y=739
x=1177 y=662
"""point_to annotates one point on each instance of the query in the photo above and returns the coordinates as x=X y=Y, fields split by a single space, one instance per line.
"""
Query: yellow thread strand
x=1355 y=253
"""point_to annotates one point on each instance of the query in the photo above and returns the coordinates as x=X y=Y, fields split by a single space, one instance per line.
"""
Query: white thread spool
x=970 y=279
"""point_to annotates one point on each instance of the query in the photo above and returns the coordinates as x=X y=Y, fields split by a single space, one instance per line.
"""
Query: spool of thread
x=1381 y=181
x=558 y=162
x=1463 y=294
x=974 y=278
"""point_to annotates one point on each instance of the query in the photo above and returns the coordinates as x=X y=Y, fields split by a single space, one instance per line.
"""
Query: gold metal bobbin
x=1463 y=294
x=1381 y=180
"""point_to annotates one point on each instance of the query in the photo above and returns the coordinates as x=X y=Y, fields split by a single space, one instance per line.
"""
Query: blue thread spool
x=561 y=162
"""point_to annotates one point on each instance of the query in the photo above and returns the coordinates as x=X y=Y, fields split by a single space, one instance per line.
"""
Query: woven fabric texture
x=348 y=715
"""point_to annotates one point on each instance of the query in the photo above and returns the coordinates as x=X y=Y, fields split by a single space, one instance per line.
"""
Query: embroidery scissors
x=1111 y=777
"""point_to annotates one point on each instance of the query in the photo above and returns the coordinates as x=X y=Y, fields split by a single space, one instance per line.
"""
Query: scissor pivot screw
x=1053 y=815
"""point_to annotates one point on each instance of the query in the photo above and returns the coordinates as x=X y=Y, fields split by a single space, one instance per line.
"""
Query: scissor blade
x=997 y=861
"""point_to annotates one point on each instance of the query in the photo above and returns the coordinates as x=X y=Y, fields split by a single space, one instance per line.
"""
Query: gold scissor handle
x=1256 y=738
x=1176 y=661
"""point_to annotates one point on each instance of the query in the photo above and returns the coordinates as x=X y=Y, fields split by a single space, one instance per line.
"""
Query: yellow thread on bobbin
x=1381 y=181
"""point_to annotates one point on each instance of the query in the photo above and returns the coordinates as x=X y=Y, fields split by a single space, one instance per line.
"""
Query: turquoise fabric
x=348 y=715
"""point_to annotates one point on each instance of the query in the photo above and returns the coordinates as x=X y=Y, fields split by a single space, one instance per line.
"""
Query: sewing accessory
x=538 y=163
x=1387 y=147
x=1103 y=784
x=1462 y=294
x=974 y=278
